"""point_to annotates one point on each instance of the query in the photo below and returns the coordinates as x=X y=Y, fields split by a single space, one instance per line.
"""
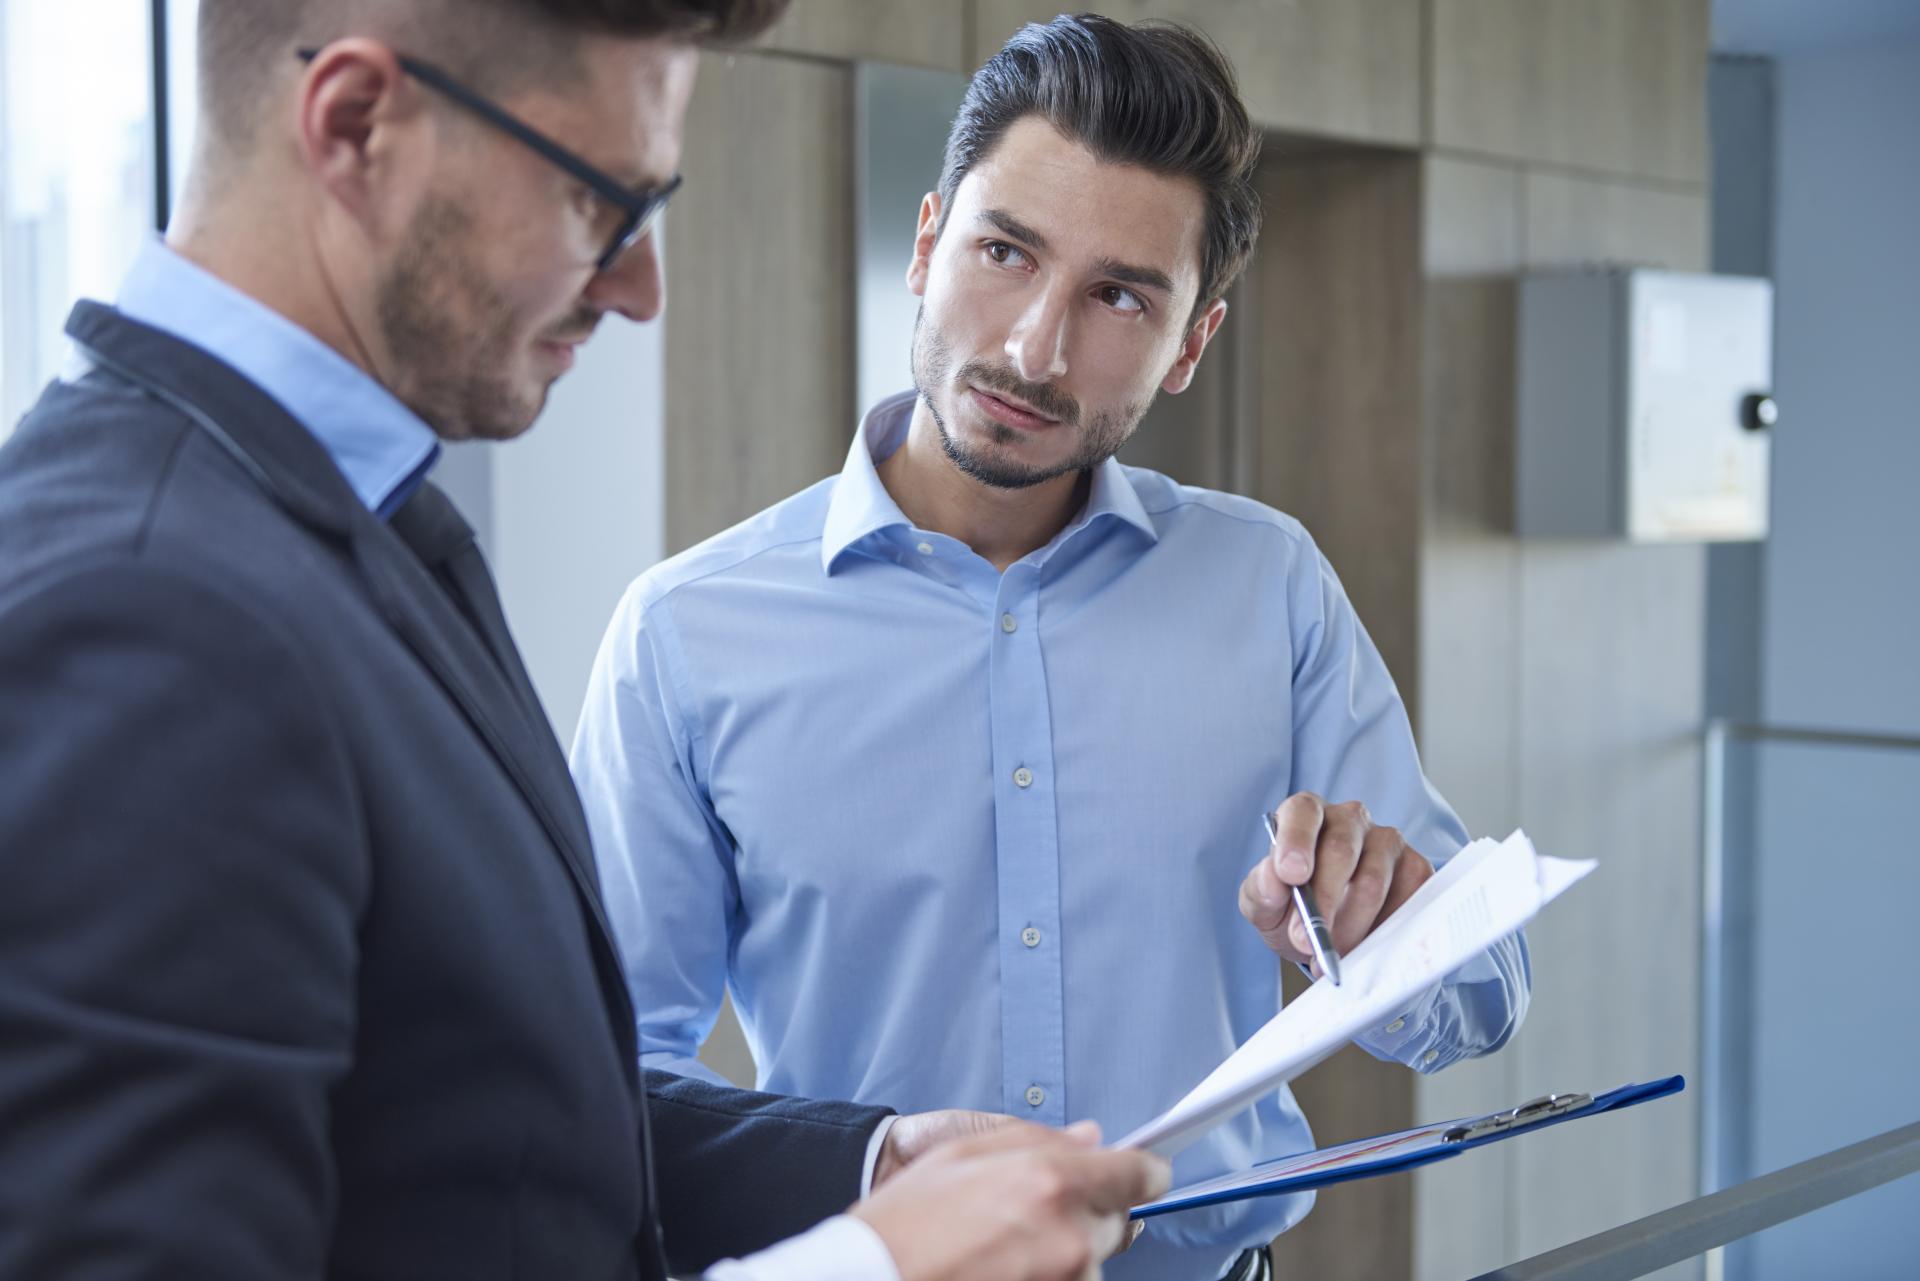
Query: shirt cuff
x=874 y=1145
x=841 y=1249
x=1409 y=1036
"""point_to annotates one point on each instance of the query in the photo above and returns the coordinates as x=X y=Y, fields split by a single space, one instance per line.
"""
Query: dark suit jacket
x=303 y=969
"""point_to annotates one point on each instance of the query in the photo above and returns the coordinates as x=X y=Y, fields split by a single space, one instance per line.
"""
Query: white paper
x=1484 y=893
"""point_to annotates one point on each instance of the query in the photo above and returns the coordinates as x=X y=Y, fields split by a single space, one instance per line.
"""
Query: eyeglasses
x=639 y=210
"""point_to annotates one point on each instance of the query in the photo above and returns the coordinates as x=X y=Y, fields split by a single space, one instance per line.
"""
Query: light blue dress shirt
x=962 y=838
x=382 y=448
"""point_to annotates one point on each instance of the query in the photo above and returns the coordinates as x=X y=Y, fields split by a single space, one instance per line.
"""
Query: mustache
x=1045 y=398
x=576 y=328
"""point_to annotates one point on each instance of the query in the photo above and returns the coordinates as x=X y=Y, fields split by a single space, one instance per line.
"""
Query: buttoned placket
x=1026 y=854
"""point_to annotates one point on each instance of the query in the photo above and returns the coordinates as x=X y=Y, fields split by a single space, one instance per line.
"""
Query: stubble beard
x=450 y=333
x=1098 y=438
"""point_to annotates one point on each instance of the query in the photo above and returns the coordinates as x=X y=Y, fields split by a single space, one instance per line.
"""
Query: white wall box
x=1643 y=408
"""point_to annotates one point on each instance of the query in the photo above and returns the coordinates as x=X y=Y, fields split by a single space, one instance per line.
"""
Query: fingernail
x=1294 y=864
x=1085 y=1131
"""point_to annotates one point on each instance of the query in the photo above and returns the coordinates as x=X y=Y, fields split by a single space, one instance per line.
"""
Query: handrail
x=1706 y=1223
x=1752 y=732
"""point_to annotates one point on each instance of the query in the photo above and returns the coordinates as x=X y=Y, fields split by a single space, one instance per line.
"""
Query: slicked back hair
x=493 y=45
x=1155 y=94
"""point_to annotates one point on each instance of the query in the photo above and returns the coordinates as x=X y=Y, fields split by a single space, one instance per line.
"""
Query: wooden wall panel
x=1469 y=641
x=1343 y=68
x=1334 y=412
x=1336 y=406
x=1611 y=702
x=760 y=283
x=1610 y=770
x=1613 y=85
x=915 y=33
x=1197 y=437
x=1572 y=221
x=1562 y=692
x=1357 y=1231
x=726 y=1050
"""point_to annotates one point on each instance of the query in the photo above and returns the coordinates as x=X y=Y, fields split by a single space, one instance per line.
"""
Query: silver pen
x=1318 y=934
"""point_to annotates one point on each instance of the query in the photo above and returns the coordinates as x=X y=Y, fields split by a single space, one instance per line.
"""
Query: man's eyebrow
x=1113 y=268
x=1127 y=274
x=1014 y=227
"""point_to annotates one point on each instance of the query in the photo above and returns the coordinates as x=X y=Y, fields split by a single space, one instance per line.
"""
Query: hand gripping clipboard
x=1406 y=1150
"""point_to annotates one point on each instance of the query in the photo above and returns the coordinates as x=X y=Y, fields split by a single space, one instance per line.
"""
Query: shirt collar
x=382 y=448
x=862 y=507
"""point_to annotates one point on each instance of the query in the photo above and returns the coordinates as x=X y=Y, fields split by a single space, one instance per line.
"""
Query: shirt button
x=1396 y=1025
x=1008 y=623
x=1023 y=777
x=1030 y=936
x=1429 y=1056
x=1035 y=1096
x=925 y=549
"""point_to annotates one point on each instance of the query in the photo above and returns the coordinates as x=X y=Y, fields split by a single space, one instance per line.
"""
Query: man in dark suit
x=303 y=965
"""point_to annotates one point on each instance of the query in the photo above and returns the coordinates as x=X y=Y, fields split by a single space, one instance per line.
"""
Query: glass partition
x=1813 y=1033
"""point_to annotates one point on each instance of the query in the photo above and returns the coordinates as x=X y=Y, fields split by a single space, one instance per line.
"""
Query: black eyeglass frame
x=639 y=209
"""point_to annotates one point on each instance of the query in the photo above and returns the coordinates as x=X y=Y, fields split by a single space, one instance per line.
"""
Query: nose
x=633 y=284
x=1038 y=343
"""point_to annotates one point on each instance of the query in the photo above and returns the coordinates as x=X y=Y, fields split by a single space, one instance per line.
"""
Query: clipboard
x=1405 y=1150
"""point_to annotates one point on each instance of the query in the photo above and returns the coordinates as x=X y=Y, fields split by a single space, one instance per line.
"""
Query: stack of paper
x=1484 y=893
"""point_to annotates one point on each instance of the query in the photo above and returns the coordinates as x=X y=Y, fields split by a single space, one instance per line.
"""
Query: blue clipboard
x=1405 y=1150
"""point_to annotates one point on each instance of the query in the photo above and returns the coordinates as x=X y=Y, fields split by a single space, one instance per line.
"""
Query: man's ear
x=358 y=126
x=1192 y=345
x=923 y=238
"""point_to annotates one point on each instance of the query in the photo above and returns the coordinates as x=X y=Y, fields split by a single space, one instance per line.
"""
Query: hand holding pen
x=1328 y=865
x=1326 y=958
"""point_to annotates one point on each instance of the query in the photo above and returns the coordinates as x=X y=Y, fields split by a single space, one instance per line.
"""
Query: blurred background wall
x=1421 y=156
x=1817 y=186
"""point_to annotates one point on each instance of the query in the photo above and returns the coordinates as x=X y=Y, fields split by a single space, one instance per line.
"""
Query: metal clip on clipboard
x=1404 y=1150
x=1528 y=1113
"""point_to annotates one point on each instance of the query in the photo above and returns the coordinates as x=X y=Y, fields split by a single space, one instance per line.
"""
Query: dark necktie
x=433 y=528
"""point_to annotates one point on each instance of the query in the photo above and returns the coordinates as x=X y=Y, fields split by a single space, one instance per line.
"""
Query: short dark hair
x=492 y=44
x=1155 y=94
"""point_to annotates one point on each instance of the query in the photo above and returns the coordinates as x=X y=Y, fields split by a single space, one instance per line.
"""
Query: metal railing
x=1717 y=1060
x=1707 y=1223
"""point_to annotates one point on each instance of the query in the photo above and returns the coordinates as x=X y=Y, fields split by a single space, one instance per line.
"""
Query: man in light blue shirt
x=950 y=767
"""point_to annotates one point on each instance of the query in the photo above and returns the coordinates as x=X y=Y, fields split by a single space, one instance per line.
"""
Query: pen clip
x=1532 y=1112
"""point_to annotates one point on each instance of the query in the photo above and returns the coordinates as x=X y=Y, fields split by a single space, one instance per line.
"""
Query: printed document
x=1481 y=895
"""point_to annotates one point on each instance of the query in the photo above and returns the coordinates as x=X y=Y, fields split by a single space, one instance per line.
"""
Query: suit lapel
x=285 y=459
x=427 y=618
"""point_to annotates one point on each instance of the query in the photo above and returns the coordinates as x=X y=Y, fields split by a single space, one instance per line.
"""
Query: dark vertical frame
x=162 y=167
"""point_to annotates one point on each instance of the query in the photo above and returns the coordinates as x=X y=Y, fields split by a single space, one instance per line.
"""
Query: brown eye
x=1003 y=253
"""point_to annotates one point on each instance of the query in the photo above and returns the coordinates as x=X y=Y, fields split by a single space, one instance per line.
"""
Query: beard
x=1097 y=437
x=452 y=333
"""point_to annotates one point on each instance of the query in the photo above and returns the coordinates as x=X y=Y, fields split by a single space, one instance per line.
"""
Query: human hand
x=1360 y=875
x=1018 y=1203
x=912 y=1137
